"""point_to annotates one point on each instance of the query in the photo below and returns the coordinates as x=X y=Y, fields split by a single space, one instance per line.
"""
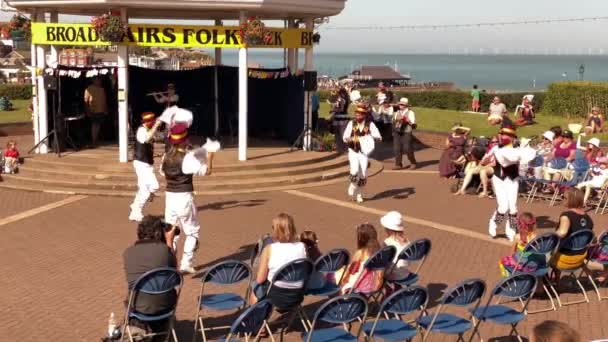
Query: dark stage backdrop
x=275 y=105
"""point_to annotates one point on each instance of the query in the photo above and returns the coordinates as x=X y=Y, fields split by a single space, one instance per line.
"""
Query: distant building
x=14 y=66
x=370 y=76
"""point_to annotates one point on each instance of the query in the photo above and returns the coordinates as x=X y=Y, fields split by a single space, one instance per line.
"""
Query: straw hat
x=404 y=101
x=594 y=141
x=549 y=135
x=362 y=109
x=392 y=221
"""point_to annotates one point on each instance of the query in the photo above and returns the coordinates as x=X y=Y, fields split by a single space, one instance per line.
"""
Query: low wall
x=17 y=128
x=431 y=139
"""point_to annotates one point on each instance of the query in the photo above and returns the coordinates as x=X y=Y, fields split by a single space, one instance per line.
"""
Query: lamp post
x=581 y=72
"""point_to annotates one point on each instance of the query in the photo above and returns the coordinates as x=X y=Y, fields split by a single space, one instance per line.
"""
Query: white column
x=308 y=66
x=123 y=97
x=243 y=96
x=34 y=89
x=218 y=62
x=218 y=51
x=53 y=55
x=291 y=57
x=43 y=124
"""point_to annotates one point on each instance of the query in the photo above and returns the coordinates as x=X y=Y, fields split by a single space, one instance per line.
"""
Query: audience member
x=527 y=231
x=284 y=249
x=565 y=150
x=355 y=276
x=593 y=152
x=595 y=122
x=497 y=112
x=310 y=240
x=526 y=112
x=449 y=164
x=384 y=95
x=481 y=163
x=554 y=331
x=395 y=236
x=557 y=131
x=96 y=103
x=153 y=249
x=11 y=157
x=598 y=261
x=599 y=176
x=571 y=221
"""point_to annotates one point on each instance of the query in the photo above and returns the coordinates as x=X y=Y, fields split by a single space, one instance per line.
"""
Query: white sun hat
x=549 y=135
x=404 y=101
x=392 y=221
x=594 y=141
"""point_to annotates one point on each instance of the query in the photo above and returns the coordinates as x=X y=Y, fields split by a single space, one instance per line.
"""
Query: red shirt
x=11 y=153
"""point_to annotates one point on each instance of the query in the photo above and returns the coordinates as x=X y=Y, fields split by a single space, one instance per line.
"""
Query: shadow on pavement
x=401 y=193
x=231 y=204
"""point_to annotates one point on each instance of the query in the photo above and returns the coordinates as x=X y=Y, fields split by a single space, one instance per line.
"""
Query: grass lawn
x=20 y=113
x=439 y=120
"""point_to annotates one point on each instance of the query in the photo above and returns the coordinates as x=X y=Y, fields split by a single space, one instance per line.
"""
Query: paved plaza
x=62 y=255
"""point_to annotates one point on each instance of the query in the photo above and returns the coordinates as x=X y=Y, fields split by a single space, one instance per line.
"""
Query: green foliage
x=327 y=142
x=16 y=91
x=454 y=100
x=5 y=104
x=575 y=98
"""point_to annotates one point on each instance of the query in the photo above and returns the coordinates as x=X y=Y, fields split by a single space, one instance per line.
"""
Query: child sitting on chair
x=599 y=177
x=11 y=158
x=517 y=260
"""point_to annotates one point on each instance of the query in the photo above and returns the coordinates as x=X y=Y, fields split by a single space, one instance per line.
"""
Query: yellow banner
x=166 y=36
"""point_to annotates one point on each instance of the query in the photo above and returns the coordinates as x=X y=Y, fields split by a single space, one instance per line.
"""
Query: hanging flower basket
x=109 y=27
x=254 y=32
x=316 y=38
x=19 y=28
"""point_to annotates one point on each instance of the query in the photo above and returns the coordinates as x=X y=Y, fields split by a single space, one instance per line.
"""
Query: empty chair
x=340 y=311
x=466 y=294
x=157 y=282
x=321 y=282
x=415 y=252
x=598 y=261
x=516 y=287
x=576 y=244
x=403 y=302
x=252 y=322
x=224 y=274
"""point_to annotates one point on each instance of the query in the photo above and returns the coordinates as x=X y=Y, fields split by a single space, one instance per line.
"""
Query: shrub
x=16 y=92
x=454 y=100
x=575 y=98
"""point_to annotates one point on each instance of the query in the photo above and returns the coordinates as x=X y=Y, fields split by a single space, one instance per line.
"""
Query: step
x=91 y=175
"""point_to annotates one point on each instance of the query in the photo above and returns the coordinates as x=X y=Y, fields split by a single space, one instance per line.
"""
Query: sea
x=501 y=73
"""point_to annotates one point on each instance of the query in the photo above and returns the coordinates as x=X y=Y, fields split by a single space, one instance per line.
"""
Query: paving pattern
x=63 y=267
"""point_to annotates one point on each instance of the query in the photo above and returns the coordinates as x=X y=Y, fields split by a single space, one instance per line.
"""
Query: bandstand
x=47 y=33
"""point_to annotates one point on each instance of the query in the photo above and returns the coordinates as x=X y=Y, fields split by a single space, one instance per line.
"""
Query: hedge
x=16 y=92
x=575 y=98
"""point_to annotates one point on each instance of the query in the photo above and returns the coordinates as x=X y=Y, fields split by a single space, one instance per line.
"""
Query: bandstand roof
x=190 y=9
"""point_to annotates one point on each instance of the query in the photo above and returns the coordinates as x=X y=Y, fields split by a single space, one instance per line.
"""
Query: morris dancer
x=143 y=162
x=357 y=135
x=178 y=168
x=506 y=180
x=173 y=116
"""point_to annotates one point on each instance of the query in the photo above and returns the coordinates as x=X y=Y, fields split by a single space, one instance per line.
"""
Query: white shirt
x=400 y=271
x=498 y=109
x=384 y=114
x=373 y=131
x=280 y=255
x=143 y=135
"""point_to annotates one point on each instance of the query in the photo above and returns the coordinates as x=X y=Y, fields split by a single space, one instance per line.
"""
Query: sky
x=546 y=38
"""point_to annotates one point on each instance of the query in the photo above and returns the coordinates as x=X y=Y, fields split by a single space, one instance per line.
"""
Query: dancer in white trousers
x=143 y=162
x=506 y=180
x=356 y=136
x=179 y=166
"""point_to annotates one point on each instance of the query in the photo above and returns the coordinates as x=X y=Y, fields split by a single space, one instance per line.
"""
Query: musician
x=404 y=122
x=143 y=163
x=358 y=130
x=169 y=98
x=178 y=167
x=384 y=95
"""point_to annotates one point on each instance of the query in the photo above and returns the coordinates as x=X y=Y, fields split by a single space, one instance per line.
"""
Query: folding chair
x=399 y=304
x=325 y=266
x=298 y=272
x=342 y=310
x=603 y=192
x=581 y=171
x=382 y=260
x=576 y=243
x=540 y=250
x=465 y=294
x=252 y=321
x=516 y=287
x=538 y=161
x=156 y=282
x=416 y=251
x=602 y=241
x=557 y=164
x=224 y=274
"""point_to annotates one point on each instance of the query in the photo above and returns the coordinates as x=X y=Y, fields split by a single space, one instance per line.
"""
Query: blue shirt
x=315 y=102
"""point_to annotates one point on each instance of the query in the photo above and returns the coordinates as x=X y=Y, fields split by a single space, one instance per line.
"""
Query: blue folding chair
x=581 y=169
x=530 y=181
x=577 y=243
x=399 y=304
x=557 y=164
x=342 y=310
x=516 y=287
x=415 y=252
x=539 y=250
x=382 y=260
x=224 y=274
x=157 y=282
x=252 y=321
x=466 y=294
x=602 y=242
x=327 y=265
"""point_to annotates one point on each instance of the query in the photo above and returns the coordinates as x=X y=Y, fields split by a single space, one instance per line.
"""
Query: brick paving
x=63 y=268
